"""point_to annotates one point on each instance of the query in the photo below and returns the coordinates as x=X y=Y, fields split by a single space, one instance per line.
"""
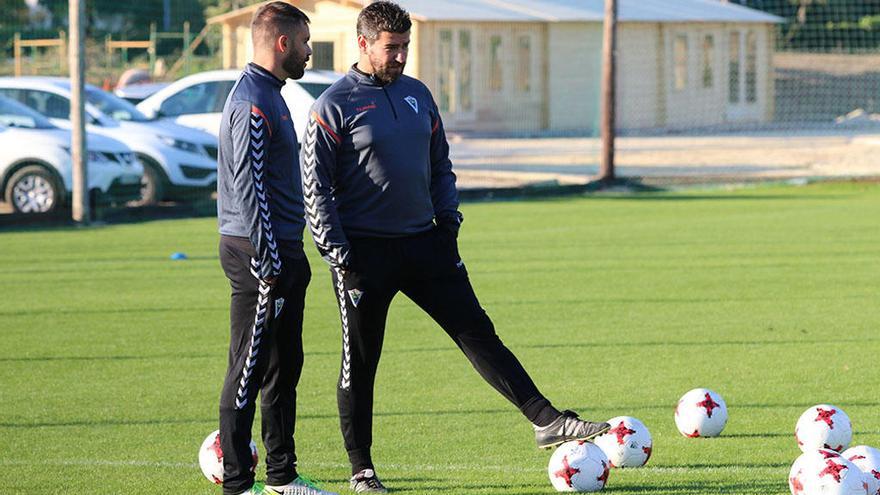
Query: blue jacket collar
x=364 y=78
x=255 y=70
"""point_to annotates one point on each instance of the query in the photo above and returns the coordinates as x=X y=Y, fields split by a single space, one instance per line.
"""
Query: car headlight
x=182 y=145
x=97 y=156
x=125 y=158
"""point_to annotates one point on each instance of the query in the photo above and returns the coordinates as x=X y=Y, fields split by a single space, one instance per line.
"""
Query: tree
x=824 y=24
x=128 y=19
x=802 y=7
x=14 y=14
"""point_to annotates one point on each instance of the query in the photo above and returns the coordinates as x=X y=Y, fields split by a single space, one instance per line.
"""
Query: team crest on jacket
x=414 y=103
x=355 y=296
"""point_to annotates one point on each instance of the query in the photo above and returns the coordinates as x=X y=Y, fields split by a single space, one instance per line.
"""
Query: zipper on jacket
x=393 y=110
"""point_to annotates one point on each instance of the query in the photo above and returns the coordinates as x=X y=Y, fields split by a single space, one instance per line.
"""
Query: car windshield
x=14 y=114
x=114 y=106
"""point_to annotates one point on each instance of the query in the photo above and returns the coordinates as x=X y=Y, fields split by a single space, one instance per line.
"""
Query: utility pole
x=80 y=207
x=609 y=91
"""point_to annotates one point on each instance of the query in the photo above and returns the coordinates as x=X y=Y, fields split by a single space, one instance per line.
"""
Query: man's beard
x=389 y=73
x=294 y=66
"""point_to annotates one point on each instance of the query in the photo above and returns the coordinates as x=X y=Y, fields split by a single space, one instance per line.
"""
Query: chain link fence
x=708 y=92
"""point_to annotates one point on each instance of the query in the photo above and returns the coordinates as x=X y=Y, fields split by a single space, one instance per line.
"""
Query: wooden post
x=185 y=53
x=184 y=57
x=151 y=51
x=17 y=54
x=63 y=40
x=229 y=46
x=609 y=97
x=78 y=154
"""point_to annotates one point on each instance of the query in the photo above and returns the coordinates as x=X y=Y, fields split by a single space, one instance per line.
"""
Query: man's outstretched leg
x=443 y=290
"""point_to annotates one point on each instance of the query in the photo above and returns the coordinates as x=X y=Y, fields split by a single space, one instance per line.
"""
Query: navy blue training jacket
x=259 y=190
x=375 y=163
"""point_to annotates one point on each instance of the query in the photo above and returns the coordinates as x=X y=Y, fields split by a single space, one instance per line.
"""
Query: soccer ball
x=211 y=458
x=627 y=444
x=825 y=472
x=701 y=413
x=868 y=460
x=578 y=467
x=823 y=426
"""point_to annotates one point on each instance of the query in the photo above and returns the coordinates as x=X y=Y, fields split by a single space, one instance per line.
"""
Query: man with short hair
x=382 y=205
x=260 y=216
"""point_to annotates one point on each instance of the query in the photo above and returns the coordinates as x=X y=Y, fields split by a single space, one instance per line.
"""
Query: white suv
x=197 y=100
x=179 y=162
x=35 y=166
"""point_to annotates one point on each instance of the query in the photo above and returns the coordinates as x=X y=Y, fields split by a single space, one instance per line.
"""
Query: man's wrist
x=450 y=220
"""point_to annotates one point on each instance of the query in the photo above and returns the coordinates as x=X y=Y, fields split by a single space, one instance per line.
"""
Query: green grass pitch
x=112 y=355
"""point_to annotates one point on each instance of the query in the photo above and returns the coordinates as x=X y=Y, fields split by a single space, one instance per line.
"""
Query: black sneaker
x=366 y=481
x=566 y=428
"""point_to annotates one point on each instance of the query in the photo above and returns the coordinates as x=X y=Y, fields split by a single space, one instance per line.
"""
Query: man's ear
x=363 y=43
x=281 y=43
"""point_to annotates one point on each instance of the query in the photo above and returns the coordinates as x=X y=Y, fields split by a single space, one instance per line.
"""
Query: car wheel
x=152 y=185
x=33 y=189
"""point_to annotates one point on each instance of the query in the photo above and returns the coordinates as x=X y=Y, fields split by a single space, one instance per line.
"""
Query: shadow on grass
x=108 y=423
x=453 y=349
x=621 y=189
x=38 y=359
x=61 y=220
x=633 y=344
x=108 y=311
x=103 y=259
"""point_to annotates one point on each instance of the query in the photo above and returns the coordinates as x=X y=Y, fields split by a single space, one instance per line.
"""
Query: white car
x=136 y=93
x=197 y=100
x=179 y=162
x=36 y=175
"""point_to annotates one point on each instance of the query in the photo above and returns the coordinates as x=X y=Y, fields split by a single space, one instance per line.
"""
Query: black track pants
x=265 y=357
x=428 y=270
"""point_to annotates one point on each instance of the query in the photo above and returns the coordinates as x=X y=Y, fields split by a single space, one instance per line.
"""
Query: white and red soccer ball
x=868 y=460
x=823 y=426
x=825 y=472
x=211 y=458
x=627 y=444
x=578 y=467
x=701 y=413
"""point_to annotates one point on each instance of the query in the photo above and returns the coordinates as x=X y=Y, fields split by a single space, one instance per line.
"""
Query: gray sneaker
x=566 y=428
x=366 y=481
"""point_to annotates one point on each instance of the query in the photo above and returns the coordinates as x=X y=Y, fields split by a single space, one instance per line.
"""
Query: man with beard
x=382 y=205
x=260 y=214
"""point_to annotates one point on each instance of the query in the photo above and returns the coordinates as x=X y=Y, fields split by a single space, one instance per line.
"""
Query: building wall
x=330 y=22
x=700 y=102
x=639 y=76
x=506 y=62
x=575 y=73
x=537 y=76
x=334 y=23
